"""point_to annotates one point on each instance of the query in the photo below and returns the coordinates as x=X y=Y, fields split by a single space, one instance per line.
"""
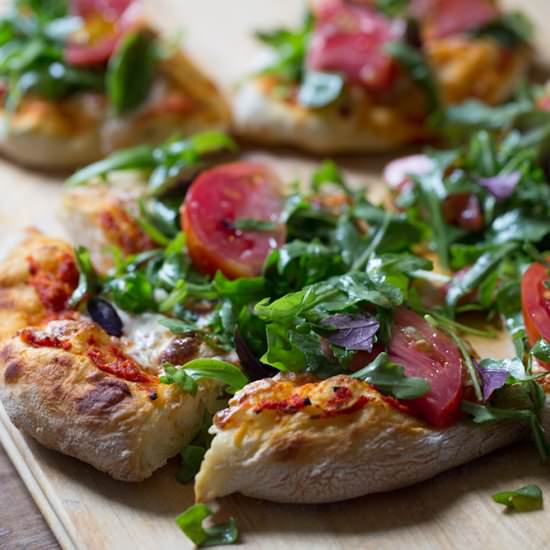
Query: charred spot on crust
x=12 y=372
x=5 y=353
x=105 y=395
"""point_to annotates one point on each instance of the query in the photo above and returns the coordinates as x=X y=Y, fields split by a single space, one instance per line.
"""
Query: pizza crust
x=466 y=68
x=81 y=129
x=309 y=457
x=64 y=401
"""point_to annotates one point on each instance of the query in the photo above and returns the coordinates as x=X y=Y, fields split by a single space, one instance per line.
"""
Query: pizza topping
x=535 y=299
x=350 y=39
x=113 y=360
x=216 y=201
x=398 y=173
x=428 y=353
x=40 y=339
x=106 y=316
x=104 y=24
x=54 y=287
x=450 y=17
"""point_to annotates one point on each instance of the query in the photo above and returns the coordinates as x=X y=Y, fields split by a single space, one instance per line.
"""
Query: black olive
x=106 y=316
x=251 y=365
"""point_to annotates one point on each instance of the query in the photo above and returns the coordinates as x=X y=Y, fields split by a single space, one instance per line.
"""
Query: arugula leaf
x=320 y=89
x=519 y=226
x=137 y=158
x=190 y=522
x=289 y=47
x=541 y=350
x=389 y=377
x=419 y=70
x=254 y=225
x=328 y=172
x=214 y=369
x=392 y=8
x=131 y=71
x=88 y=282
x=180 y=377
x=484 y=265
x=133 y=292
x=510 y=29
x=191 y=459
x=524 y=499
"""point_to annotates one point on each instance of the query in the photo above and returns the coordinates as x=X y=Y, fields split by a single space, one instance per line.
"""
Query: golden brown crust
x=52 y=388
x=99 y=216
x=81 y=129
x=465 y=68
x=345 y=441
x=27 y=277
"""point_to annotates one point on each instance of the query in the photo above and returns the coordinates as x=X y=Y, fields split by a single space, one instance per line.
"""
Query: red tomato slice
x=463 y=210
x=219 y=197
x=350 y=39
x=105 y=22
x=535 y=303
x=448 y=17
x=428 y=353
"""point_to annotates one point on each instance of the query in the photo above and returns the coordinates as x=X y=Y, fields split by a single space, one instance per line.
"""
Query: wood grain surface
x=88 y=510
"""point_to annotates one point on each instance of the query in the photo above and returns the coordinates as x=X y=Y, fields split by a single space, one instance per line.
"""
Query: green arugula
x=524 y=499
x=190 y=522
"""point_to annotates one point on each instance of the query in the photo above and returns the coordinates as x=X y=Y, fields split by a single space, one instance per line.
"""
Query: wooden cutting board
x=88 y=510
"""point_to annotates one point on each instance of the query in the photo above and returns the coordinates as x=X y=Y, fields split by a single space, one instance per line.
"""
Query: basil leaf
x=524 y=499
x=131 y=71
x=389 y=377
x=254 y=225
x=190 y=522
x=352 y=331
x=494 y=374
x=319 y=89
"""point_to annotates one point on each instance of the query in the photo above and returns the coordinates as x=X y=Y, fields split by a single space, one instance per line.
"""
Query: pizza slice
x=81 y=79
x=366 y=76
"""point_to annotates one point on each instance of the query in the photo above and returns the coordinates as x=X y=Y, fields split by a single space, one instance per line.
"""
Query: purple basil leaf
x=501 y=186
x=355 y=332
x=494 y=374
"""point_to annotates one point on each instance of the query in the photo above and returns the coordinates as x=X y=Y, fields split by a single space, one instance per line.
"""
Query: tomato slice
x=219 y=197
x=428 y=353
x=350 y=39
x=449 y=17
x=105 y=22
x=535 y=303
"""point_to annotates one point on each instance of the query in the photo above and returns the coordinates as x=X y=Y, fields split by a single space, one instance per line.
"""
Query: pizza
x=99 y=78
x=338 y=346
x=365 y=76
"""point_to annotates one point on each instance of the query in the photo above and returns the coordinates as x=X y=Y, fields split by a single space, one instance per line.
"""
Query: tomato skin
x=427 y=353
x=105 y=21
x=463 y=210
x=350 y=39
x=444 y=18
x=535 y=303
x=219 y=197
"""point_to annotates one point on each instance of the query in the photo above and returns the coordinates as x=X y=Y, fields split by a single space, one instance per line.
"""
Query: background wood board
x=86 y=509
